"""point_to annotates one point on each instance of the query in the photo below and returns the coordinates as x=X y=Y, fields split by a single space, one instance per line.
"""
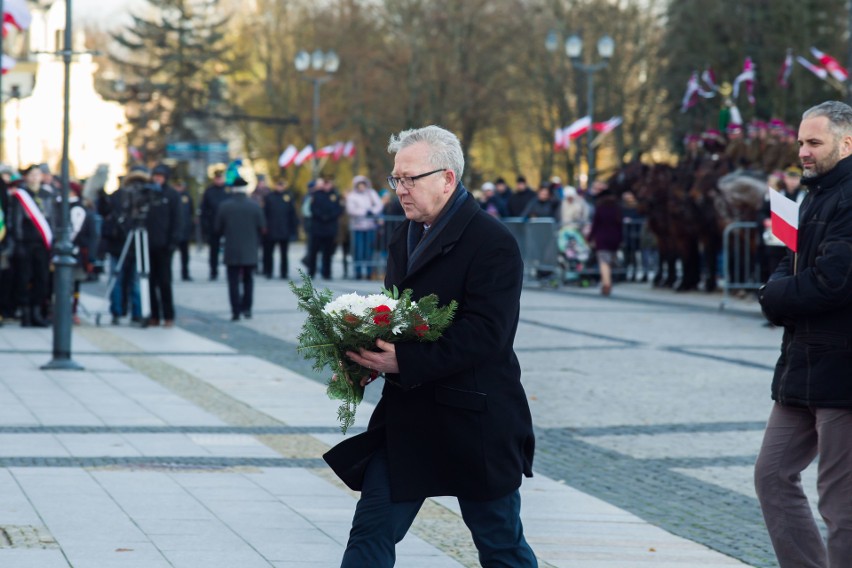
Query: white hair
x=445 y=150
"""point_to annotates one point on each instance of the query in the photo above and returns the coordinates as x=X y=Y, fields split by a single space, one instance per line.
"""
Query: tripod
x=138 y=238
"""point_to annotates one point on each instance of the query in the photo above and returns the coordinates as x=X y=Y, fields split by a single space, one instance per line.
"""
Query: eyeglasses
x=408 y=181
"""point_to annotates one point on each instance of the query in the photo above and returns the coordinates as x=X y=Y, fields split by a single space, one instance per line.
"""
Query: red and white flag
x=609 y=125
x=325 y=152
x=338 y=151
x=285 y=160
x=349 y=149
x=559 y=142
x=35 y=215
x=815 y=69
x=693 y=91
x=304 y=155
x=16 y=13
x=7 y=63
x=831 y=65
x=784 y=213
x=577 y=128
x=786 y=69
x=710 y=79
x=747 y=77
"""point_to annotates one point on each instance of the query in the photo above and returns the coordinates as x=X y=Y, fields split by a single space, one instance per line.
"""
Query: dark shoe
x=153 y=322
x=247 y=314
x=169 y=323
x=235 y=317
x=114 y=320
x=37 y=320
x=213 y=277
x=187 y=278
x=26 y=318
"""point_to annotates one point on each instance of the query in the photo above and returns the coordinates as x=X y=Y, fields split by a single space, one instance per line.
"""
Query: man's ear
x=450 y=181
x=846 y=146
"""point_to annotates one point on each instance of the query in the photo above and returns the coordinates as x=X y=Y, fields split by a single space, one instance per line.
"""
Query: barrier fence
x=741 y=259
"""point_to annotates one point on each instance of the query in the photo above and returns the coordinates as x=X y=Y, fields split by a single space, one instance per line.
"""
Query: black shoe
x=187 y=279
x=114 y=320
x=213 y=277
x=235 y=317
x=247 y=314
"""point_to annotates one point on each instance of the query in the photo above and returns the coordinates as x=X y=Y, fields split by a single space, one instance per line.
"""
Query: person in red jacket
x=453 y=418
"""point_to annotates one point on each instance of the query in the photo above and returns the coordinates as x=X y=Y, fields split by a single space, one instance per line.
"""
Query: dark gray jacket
x=240 y=220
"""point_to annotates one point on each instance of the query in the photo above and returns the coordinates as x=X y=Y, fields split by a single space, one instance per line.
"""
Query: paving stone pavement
x=199 y=446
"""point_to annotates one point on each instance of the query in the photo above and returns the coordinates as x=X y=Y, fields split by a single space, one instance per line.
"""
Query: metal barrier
x=537 y=240
x=740 y=259
x=369 y=249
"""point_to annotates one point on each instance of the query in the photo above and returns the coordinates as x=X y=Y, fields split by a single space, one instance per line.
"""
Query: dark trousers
x=380 y=523
x=794 y=436
x=214 y=242
x=160 y=284
x=324 y=247
x=183 y=247
x=268 y=253
x=241 y=300
x=31 y=269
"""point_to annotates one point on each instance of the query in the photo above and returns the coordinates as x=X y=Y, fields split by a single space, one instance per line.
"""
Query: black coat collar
x=443 y=242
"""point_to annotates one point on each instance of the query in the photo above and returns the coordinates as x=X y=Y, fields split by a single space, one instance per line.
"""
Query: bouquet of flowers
x=352 y=322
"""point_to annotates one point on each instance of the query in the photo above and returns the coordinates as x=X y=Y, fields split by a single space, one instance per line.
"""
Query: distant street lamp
x=316 y=63
x=574 y=49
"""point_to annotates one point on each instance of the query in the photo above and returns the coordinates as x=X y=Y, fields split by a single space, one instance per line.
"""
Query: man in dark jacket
x=326 y=210
x=453 y=418
x=240 y=220
x=187 y=222
x=163 y=226
x=282 y=225
x=213 y=196
x=810 y=294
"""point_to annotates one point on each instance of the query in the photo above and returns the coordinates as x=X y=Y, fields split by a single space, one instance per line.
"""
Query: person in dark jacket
x=187 y=223
x=810 y=294
x=282 y=226
x=518 y=200
x=240 y=220
x=326 y=209
x=453 y=418
x=164 y=226
x=213 y=196
x=605 y=233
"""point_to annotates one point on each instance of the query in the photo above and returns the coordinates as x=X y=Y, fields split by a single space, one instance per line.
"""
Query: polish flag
x=560 y=142
x=325 y=152
x=608 y=126
x=285 y=160
x=16 y=13
x=306 y=154
x=349 y=149
x=785 y=218
x=577 y=128
x=747 y=77
x=815 y=69
x=338 y=151
x=7 y=63
x=831 y=64
x=786 y=69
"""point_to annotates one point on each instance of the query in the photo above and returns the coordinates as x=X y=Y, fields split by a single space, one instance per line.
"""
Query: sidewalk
x=172 y=450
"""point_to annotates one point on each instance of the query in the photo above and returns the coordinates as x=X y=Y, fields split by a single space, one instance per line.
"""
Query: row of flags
x=17 y=16
x=563 y=137
x=292 y=156
x=705 y=86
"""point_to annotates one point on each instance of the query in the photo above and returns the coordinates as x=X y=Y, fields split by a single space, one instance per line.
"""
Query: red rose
x=383 y=315
x=421 y=330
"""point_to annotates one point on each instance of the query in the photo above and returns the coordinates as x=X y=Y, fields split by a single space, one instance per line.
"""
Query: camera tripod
x=138 y=239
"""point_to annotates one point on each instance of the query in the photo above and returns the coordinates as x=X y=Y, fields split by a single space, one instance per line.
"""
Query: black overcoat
x=813 y=301
x=240 y=220
x=455 y=420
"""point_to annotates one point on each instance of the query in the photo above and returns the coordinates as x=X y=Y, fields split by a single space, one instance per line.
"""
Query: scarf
x=419 y=237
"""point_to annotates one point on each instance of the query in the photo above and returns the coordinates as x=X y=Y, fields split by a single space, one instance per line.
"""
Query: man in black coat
x=326 y=210
x=810 y=294
x=453 y=418
x=240 y=220
x=187 y=223
x=213 y=196
x=282 y=225
x=163 y=227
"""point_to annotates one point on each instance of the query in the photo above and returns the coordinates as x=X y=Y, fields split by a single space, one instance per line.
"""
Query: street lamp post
x=317 y=62
x=64 y=258
x=574 y=49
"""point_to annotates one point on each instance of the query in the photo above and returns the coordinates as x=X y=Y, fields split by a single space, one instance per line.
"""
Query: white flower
x=397 y=329
x=358 y=305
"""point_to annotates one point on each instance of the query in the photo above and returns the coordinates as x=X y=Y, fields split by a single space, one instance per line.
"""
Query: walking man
x=453 y=418
x=810 y=295
x=240 y=220
x=214 y=195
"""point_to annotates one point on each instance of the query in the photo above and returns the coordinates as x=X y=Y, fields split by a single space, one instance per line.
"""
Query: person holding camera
x=163 y=224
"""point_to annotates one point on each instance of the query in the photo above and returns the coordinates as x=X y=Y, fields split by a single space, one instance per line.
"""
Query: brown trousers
x=793 y=439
